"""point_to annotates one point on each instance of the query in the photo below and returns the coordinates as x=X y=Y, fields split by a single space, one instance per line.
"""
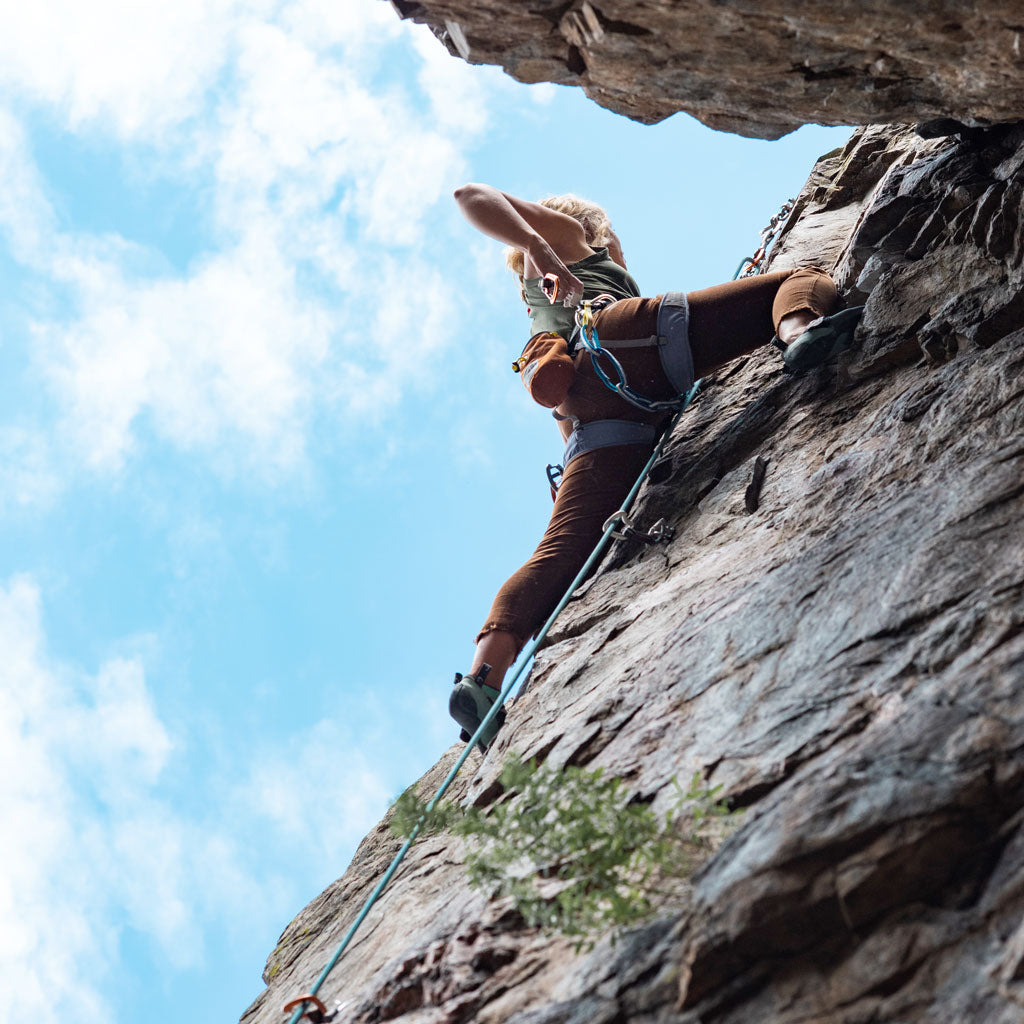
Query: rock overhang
x=759 y=68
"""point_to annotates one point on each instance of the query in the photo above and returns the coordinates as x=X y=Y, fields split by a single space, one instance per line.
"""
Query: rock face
x=847 y=661
x=755 y=67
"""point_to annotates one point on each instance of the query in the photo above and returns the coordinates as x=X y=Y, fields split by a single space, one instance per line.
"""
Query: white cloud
x=371 y=757
x=321 y=291
x=300 y=800
x=91 y=846
x=543 y=93
x=138 y=68
x=88 y=846
x=42 y=968
x=25 y=216
x=225 y=354
x=30 y=478
x=143 y=70
x=455 y=88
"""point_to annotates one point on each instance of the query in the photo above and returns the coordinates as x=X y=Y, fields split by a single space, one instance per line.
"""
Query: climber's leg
x=497 y=649
x=732 y=319
x=594 y=486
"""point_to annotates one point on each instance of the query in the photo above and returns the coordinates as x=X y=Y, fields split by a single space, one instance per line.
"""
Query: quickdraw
x=751 y=265
x=659 y=533
x=588 y=335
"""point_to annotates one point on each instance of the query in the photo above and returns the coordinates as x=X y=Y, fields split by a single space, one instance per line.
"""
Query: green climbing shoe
x=824 y=338
x=469 y=703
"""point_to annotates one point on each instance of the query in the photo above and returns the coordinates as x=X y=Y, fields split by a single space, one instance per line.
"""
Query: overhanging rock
x=755 y=67
x=847 y=662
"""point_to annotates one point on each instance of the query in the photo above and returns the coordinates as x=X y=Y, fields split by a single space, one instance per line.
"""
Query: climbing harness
x=751 y=265
x=605 y=433
x=671 y=339
x=617 y=525
x=586 y=437
x=672 y=346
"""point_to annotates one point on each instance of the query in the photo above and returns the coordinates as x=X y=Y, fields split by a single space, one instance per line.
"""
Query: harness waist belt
x=604 y=434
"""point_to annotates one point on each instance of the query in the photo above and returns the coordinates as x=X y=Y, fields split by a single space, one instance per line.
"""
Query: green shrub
x=574 y=855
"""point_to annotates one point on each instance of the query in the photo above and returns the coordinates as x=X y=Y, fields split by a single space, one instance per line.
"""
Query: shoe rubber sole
x=823 y=339
x=468 y=705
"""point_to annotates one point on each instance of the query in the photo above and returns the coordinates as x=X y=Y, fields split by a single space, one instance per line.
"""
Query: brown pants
x=726 y=321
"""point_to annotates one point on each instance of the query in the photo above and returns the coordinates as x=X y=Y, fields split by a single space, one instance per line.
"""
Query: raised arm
x=547 y=238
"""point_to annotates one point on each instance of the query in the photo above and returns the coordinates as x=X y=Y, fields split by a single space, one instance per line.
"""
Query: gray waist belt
x=604 y=434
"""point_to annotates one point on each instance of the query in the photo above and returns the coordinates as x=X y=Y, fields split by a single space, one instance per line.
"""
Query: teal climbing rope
x=747 y=267
x=524 y=659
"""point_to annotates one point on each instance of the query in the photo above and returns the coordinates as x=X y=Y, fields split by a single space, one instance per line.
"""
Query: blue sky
x=264 y=462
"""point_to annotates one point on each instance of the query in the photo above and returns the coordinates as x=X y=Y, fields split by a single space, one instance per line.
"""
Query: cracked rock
x=847 y=662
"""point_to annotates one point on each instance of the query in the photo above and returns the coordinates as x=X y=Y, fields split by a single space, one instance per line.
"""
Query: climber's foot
x=469 y=703
x=824 y=338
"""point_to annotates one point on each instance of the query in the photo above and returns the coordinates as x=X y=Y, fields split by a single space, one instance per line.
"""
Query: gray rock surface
x=847 y=662
x=755 y=67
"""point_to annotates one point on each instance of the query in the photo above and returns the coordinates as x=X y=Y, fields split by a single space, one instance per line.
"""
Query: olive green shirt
x=598 y=272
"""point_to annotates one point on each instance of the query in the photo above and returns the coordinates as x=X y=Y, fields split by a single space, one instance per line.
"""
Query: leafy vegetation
x=569 y=848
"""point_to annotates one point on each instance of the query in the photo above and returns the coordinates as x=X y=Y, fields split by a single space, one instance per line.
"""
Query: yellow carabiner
x=586 y=316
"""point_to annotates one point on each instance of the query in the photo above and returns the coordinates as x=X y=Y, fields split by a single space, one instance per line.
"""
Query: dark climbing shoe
x=469 y=703
x=824 y=338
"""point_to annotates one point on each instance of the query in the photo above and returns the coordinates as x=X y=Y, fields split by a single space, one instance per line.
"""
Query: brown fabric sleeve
x=732 y=319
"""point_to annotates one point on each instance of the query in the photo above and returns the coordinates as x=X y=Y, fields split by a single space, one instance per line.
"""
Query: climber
x=563 y=250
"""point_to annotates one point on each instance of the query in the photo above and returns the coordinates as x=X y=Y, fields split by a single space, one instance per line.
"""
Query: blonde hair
x=595 y=222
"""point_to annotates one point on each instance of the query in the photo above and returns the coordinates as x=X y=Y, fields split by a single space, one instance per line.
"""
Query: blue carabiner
x=592 y=341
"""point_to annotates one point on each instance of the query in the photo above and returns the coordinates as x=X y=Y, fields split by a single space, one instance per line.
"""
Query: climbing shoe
x=469 y=703
x=824 y=338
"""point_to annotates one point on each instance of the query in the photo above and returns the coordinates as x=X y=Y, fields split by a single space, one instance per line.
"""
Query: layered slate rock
x=755 y=67
x=847 y=661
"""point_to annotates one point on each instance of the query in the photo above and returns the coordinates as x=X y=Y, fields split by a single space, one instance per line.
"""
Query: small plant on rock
x=573 y=853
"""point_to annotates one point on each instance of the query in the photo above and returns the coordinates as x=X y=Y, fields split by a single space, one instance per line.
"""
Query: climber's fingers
x=564 y=287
